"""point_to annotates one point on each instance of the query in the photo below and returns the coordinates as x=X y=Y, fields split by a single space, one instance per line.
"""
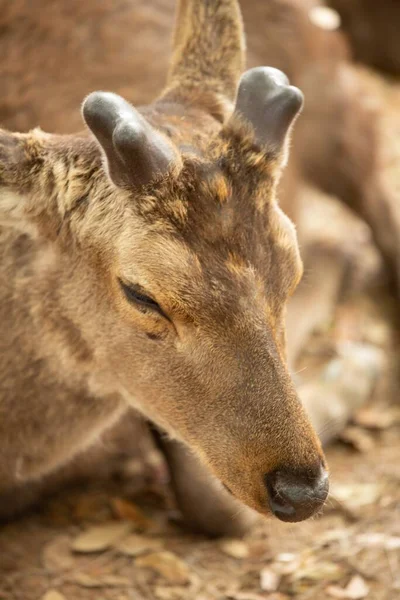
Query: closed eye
x=134 y=294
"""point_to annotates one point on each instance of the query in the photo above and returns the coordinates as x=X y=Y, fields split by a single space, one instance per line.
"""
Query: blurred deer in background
x=55 y=55
x=373 y=31
x=147 y=265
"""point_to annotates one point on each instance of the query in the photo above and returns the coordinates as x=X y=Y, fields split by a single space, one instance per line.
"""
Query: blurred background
x=342 y=189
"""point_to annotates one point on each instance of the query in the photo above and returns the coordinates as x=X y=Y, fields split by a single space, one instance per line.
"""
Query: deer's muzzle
x=297 y=495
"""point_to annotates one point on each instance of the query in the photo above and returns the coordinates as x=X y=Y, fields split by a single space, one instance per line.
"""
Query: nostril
x=295 y=495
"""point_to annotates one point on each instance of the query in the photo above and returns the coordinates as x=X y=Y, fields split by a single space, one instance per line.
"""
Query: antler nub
x=269 y=103
x=136 y=153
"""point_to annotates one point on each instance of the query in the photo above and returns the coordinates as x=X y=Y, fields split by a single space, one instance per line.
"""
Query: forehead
x=205 y=235
x=207 y=205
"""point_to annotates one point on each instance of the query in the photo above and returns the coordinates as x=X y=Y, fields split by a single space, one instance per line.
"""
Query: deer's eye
x=135 y=295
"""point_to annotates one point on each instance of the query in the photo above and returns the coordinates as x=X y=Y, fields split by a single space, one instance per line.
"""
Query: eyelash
x=134 y=296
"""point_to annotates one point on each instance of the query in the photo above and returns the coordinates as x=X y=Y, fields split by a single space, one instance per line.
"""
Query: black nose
x=295 y=495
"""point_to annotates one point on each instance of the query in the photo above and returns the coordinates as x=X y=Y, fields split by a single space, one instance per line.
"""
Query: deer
x=147 y=266
x=335 y=146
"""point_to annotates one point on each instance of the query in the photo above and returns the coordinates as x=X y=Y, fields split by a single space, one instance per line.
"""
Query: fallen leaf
x=319 y=571
x=392 y=543
x=53 y=595
x=234 y=548
x=286 y=563
x=91 y=581
x=355 y=590
x=372 y=418
x=123 y=509
x=358 y=438
x=250 y=596
x=269 y=580
x=260 y=550
x=56 y=555
x=101 y=537
x=170 y=593
x=334 y=535
x=134 y=545
x=354 y=496
x=367 y=540
x=286 y=557
x=167 y=564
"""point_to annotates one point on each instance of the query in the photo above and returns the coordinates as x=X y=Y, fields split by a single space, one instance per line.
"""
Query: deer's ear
x=270 y=104
x=20 y=168
x=135 y=152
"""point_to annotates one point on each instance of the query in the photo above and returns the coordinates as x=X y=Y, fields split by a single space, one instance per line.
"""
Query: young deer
x=123 y=45
x=148 y=265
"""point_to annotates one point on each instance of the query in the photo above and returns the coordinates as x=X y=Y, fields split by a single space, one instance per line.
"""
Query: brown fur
x=206 y=240
x=373 y=30
x=335 y=145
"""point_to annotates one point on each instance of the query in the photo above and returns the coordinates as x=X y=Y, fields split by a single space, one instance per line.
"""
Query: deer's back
x=56 y=52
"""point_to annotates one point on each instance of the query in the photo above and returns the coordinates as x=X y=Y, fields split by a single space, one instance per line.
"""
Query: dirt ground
x=115 y=539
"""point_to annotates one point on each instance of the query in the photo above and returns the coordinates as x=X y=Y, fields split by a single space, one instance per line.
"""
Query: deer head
x=177 y=262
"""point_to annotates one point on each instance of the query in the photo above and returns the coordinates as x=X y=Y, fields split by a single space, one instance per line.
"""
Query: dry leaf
x=357 y=495
x=167 y=564
x=91 y=581
x=286 y=557
x=100 y=538
x=358 y=438
x=123 y=509
x=56 y=555
x=260 y=550
x=286 y=563
x=134 y=545
x=53 y=595
x=367 y=540
x=355 y=590
x=249 y=596
x=372 y=418
x=319 y=571
x=269 y=580
x=234 y=548
x=392 y=543
x=170 y=593
x=334 y=535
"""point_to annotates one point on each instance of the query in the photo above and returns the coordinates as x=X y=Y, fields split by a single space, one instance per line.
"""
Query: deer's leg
x=125 y=452
x=205 y=504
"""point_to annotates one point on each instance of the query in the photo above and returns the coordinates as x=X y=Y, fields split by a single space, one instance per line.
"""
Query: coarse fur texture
x=161 y=289
x=102 y=45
